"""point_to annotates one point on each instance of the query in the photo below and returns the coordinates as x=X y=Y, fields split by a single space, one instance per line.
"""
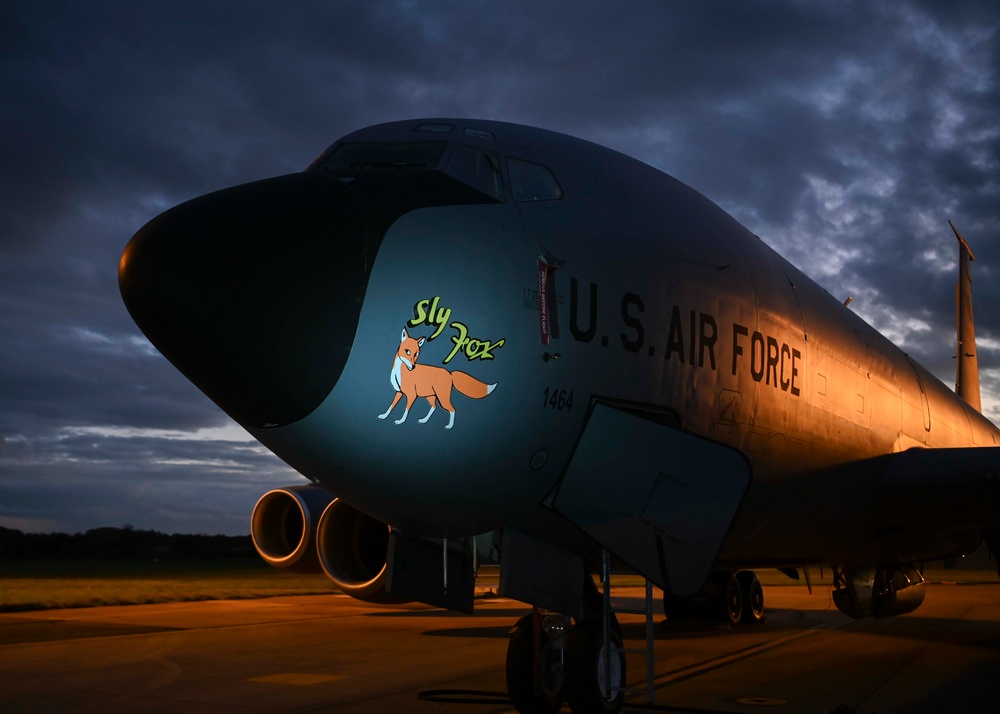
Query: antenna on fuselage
x=967 y=369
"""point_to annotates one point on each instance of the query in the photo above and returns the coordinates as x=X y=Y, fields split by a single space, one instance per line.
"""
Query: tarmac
x=330 y=653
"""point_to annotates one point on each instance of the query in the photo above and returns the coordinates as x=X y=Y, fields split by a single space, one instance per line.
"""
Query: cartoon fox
x=432 y=383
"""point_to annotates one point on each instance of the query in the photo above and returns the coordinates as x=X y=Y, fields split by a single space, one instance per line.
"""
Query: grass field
x=48 y=584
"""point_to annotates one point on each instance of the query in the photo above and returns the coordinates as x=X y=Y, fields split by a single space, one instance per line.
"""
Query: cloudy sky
x=844 y=134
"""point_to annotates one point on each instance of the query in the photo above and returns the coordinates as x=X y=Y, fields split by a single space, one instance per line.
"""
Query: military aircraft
x=598 y=360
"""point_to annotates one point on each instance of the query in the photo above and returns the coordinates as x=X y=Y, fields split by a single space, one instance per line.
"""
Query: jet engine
x=283 y=527
x=878 y=590
x=352 y=550
x=307 y=530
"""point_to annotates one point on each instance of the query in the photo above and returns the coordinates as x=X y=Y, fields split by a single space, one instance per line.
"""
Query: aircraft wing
x=663 y=500
x=951 y=488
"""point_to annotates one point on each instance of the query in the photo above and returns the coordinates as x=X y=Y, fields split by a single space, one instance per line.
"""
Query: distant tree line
x=125 y=542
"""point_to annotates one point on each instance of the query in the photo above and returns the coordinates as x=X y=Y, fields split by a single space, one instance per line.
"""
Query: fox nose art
x=253 y=292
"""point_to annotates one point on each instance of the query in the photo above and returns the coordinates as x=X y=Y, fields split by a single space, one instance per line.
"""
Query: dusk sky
x=844 y=134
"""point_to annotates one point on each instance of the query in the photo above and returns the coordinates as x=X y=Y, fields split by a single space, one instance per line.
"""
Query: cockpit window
x=532 y=182
x=474 y=167
x=477 y=168
x=352 y=157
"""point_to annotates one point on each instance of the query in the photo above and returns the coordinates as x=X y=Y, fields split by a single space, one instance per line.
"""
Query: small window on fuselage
x=532 y=182
x=434 y=128
x=477 y=168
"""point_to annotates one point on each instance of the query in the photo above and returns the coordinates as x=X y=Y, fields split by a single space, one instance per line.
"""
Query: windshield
x=472 y=166
x=477 y=168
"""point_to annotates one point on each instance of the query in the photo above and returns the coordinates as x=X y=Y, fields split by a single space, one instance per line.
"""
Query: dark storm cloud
x=844 y=134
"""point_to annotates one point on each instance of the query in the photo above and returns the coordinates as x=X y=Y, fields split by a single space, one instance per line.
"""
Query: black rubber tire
x=585 y=674
x=753 y=598
x=725 y=599
x=521 y=673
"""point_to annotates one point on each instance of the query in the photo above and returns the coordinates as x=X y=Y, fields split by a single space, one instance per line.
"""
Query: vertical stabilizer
x=967 y=371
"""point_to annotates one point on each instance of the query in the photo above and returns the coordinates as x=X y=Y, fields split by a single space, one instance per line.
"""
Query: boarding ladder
x=608 y=611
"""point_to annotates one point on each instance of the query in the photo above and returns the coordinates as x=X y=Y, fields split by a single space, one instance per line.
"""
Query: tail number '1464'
x=559 y=399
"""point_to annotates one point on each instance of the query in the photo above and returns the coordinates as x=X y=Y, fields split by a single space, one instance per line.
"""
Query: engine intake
x=283 y=527
x=306 y=529
x=352 y=550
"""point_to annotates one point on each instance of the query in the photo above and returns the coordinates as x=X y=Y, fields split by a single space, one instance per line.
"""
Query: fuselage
x=656 y=300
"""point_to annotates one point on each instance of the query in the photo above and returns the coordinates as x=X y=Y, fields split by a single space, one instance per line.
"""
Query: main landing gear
x=574 y=665
x=736 y=598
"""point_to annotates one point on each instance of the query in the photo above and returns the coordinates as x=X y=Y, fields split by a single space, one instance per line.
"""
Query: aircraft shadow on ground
x=493 y=632
x=507 y=612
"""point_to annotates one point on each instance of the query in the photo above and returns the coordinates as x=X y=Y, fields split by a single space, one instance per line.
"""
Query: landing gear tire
x=734 y=601
x=752 y=596
x=724 y=597
x=521 y=673
x=588 y=666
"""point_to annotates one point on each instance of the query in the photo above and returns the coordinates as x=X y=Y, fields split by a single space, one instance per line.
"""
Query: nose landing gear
x=536 y=664
x=550 y=662
x=595 y=672
x=572 y=665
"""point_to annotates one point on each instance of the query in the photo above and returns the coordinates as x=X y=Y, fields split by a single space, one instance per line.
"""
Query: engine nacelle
x=283 y=527
x=352 y=550
x=307 y=530
x=879 y=591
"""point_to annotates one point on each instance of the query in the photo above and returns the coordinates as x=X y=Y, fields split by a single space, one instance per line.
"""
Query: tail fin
x=967 y=371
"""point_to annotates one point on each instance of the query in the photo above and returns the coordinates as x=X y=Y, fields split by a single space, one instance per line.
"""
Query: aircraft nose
x=253 y=292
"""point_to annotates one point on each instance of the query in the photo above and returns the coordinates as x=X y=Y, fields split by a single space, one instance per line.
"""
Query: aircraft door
x=660 y=499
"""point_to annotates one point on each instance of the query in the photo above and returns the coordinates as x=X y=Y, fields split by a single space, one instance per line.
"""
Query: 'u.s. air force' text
x=693 y=339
